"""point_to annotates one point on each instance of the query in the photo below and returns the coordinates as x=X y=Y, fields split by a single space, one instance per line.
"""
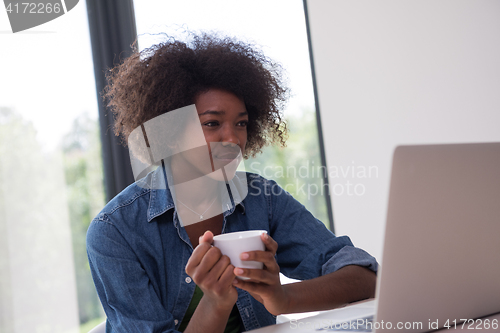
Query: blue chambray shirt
x=138 y=250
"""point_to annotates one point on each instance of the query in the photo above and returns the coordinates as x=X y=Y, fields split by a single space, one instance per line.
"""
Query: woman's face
x=223 y=118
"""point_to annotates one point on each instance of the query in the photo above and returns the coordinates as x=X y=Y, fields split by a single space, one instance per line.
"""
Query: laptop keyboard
x=364 y=324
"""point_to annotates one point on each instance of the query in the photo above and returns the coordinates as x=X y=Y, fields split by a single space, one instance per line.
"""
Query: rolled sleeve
x=306 y=248
x=349 y=255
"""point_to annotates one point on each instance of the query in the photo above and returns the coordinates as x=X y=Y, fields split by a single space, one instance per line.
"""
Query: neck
x=198 y=191
x=196 y=196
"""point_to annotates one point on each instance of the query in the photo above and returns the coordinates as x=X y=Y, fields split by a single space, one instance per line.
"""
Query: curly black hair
x=170 y=75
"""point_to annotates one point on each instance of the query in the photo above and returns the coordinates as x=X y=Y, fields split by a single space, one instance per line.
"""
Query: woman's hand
x=213 y=273
x=264 y=284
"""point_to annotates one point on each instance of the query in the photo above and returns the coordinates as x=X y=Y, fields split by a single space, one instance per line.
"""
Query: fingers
x=261 y=256
x=257 y=275
x=207 y=265
x=204 y=245
x=271 y=269
x=204 y=259
x=196 y=257
x=216 y=267
x=227 y=277
x=252 y=287
x=266 y=257
x=212 y=272
x=210 y=259
x=215 y=273
x=207 y=237
x=270 y=243
x=199 y=252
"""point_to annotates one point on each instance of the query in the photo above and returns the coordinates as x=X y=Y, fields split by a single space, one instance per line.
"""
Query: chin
x=228 y=170
x=227 y=167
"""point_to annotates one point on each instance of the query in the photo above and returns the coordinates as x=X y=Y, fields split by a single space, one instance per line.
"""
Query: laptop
x=441 y=257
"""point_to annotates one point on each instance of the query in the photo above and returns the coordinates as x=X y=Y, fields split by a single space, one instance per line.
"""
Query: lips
x=226 y=154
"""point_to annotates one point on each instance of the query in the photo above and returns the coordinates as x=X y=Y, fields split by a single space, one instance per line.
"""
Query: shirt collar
x=161 y=199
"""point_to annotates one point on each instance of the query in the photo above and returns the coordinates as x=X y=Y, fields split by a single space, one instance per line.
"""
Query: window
x=51 y=181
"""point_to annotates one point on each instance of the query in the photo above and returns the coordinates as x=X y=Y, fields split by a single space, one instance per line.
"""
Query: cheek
x=209 y=143
x=243 y=140
x=209 y=135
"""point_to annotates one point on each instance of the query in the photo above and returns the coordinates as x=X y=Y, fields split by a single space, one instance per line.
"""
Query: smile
x=227 y=156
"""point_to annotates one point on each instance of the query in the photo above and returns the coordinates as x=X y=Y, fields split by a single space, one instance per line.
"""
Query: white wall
x=399 y=72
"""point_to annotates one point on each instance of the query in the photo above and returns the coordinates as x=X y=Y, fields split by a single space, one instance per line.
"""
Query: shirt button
x=188 y=280
x=176 y=321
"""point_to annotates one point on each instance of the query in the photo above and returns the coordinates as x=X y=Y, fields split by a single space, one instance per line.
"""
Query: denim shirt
x=138 y=250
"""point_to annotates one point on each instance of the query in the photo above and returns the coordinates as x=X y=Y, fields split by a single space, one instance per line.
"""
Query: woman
x=150 y=248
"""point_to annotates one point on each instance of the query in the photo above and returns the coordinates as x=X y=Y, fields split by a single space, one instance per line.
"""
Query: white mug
x=235 y=243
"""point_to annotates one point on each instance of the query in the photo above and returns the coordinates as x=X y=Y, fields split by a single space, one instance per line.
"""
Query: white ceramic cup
x=235 y=243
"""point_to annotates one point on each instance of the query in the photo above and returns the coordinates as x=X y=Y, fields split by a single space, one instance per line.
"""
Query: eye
x=243 y=123
x=211 y=123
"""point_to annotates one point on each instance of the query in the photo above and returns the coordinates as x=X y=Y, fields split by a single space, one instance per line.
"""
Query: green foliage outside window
x=84 y=185
x=297 y=167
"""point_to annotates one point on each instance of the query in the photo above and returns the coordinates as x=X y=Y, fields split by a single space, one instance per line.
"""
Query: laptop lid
x=441 y=257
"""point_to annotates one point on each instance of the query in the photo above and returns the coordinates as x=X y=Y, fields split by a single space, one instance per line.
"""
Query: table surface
x=284 y=326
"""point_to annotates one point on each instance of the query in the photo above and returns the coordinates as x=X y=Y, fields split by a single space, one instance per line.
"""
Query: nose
x=229 y=137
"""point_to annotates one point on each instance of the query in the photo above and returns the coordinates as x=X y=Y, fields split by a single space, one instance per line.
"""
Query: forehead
x=222 y=101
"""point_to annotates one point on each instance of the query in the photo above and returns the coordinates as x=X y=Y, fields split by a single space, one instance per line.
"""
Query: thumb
x=207 y=237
